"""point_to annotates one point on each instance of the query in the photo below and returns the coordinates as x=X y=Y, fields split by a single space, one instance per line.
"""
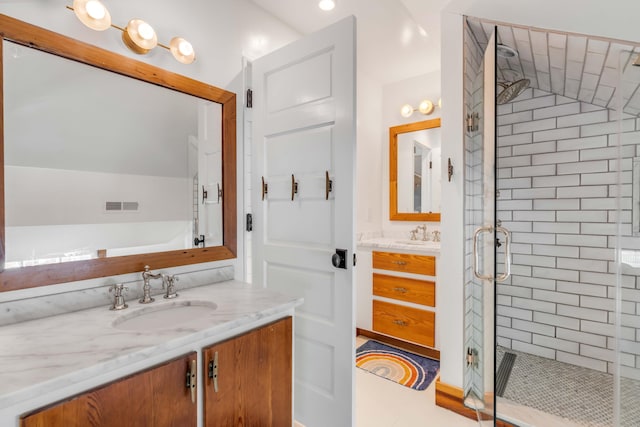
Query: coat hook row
x=328 y=186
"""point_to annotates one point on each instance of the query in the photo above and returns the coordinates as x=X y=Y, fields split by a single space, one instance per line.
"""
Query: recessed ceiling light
x=327 y=4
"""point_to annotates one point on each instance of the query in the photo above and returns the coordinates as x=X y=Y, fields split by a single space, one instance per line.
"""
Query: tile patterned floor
x=582 y=395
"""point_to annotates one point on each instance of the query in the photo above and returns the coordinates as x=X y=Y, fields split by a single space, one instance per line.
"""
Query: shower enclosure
x=556 y=342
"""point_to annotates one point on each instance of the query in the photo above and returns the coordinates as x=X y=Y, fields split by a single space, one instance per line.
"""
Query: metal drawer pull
x=399 y=262
x=400 y=322
x=401 y=290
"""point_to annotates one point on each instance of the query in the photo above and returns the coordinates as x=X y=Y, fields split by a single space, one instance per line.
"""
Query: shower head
x=511 y=90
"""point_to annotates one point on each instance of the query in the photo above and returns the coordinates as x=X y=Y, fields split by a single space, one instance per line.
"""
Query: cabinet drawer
x=406 y=323
x=408 y=263
x=400 y=288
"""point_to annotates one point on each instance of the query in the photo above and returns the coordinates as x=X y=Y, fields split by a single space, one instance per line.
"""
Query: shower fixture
x=511 y=90
x=505 y=51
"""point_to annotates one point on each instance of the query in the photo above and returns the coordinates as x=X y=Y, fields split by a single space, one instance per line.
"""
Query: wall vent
x=121 y=206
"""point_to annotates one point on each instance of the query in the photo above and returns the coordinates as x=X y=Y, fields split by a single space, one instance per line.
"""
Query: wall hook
x=328 y=185
x=265 y=188
x=294 y=186
x=450 y=169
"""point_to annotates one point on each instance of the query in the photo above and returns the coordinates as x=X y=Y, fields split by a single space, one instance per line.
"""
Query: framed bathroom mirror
x=414 y=171
x=109 y=164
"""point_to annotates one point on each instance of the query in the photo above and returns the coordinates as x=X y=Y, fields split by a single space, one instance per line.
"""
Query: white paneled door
x=304 y=153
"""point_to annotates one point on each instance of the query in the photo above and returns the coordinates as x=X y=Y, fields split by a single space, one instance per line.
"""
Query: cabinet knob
x=401 y=290
x=400 y=322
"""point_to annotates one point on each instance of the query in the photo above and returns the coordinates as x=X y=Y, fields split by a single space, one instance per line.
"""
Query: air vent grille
x=121 y=206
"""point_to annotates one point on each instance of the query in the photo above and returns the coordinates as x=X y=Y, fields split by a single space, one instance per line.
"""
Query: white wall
x=580 y=16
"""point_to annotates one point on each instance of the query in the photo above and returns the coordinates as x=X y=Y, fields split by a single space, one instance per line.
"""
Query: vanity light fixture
x=138 y=35
x=92 y=13
x=425 y=107
x=327 y=5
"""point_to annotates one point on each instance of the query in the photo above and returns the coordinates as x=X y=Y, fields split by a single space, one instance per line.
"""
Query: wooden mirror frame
x=394 y=131
x=50 y=42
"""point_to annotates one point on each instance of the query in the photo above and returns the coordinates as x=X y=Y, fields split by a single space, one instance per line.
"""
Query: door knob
x=339 y=259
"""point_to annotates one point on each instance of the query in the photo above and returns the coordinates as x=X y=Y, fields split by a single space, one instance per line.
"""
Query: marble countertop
x=46 y=355
x=403 y=244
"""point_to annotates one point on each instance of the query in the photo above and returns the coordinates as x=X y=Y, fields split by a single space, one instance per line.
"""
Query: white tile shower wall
x=558 y=198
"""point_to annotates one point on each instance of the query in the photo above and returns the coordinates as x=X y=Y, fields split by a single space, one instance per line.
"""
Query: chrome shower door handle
x=476 y=255
x=507 y=254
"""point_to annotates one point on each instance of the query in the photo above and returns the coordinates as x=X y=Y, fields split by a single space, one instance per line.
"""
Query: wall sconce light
x=426 y=107
x=138 y=35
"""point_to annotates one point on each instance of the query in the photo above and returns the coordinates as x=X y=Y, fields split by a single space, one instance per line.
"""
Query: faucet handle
x=170 y=280
x=118 y=298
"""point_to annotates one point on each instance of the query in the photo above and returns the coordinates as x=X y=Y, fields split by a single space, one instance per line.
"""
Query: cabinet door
x=157 y=397
x=250 y=379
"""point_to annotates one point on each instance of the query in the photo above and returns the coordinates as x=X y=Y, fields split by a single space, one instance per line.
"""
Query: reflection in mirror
x=116 y=168
x=415 y=164
x=110 y=164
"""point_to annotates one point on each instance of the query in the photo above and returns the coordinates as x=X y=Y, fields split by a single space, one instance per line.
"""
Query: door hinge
x=249 y=222
x=249 y=98
x=473 y=120
x=472 y=357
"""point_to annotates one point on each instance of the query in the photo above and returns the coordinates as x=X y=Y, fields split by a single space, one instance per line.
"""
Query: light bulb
x=327 y=5
x=406 y=110
x=145 y=31
x=426 y=107
x=185 y=48
x=95 y=9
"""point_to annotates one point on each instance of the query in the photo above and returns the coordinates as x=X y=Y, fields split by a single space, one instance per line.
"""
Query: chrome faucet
x=146 y=288
x=436 y=235
x=423 y=227
x=169 y=282
x=118 y=298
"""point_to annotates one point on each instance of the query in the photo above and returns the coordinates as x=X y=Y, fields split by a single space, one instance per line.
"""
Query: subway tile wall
x=557 y=178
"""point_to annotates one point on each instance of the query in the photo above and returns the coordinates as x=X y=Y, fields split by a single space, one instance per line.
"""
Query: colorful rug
x=402 y=367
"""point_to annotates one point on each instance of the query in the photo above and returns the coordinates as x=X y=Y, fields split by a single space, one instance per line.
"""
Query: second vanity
x=204 y=339
x=397 y=289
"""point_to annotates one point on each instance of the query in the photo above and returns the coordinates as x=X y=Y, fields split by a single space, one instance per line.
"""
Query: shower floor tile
x=584 y=396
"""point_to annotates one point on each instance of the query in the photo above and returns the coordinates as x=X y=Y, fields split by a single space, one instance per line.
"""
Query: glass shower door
x=480 y=232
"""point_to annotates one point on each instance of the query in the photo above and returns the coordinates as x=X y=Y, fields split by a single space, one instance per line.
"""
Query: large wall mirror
x=414 y=171
x=109 y=164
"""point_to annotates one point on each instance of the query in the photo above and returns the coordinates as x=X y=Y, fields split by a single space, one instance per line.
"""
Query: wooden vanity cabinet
x=249 y=378
x=402 y=278
x=156 y=397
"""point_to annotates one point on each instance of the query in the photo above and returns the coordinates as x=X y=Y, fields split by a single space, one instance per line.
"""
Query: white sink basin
x=177 y=314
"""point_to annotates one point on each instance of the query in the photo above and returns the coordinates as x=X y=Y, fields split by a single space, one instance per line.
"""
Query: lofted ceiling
x=576 y=66
x=397 y=39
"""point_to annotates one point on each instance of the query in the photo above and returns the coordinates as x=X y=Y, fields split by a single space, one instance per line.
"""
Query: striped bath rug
x=402 y=367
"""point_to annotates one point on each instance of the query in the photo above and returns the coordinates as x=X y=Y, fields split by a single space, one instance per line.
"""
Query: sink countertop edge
x=30 y=366
x=391 y=243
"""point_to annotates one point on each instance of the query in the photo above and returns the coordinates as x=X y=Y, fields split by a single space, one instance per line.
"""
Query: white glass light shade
x=327 y=5
x=182 y=50
x=139 y=36
x=426 y=107
x=92 y=13
x=406 y=110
